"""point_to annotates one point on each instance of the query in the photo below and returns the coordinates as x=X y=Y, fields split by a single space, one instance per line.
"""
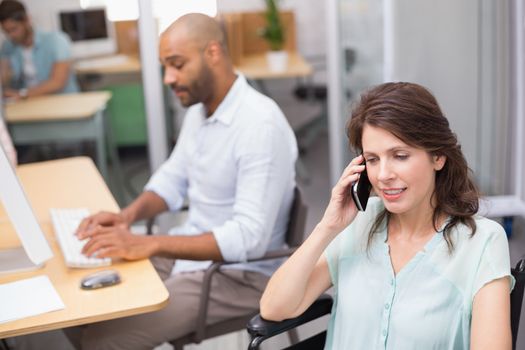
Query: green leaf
x=273 y=32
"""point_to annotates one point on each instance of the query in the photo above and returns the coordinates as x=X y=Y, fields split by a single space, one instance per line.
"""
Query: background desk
x=75 y=182
x=120 y=74
x=116 y=64
x=255 y=67
x=66 y=117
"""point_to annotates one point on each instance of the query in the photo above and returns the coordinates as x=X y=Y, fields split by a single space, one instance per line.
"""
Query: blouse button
x=387 y=306
x=384 y=332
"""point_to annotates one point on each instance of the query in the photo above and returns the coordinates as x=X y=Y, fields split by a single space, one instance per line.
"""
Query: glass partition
x=460 y=50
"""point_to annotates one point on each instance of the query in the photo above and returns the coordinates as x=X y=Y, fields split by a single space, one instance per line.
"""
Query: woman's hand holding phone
x=341 y=209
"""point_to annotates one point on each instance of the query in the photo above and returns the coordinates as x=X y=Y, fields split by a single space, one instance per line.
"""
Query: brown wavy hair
x=411 y=113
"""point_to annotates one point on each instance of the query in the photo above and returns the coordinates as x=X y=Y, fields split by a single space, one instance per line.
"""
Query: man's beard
x=187 y=101
x=198 y=91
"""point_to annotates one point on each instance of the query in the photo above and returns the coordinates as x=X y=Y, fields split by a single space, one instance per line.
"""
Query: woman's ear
x=439 y=162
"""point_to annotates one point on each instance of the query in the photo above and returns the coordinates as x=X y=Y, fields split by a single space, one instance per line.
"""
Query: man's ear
x=213 y=51
x=439 y=161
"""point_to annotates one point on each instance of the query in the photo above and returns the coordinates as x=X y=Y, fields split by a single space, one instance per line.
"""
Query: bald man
x=234 y=160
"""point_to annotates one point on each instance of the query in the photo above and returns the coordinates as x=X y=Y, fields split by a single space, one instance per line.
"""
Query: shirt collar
x=429 y=246
x=225 y=112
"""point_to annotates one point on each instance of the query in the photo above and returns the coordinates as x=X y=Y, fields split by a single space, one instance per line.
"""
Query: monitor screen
x=84 y=25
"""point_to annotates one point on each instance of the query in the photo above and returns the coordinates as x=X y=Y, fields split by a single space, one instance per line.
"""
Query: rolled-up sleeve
x=265 y=156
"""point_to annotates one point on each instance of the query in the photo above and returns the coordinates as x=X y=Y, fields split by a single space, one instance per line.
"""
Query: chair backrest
x=516 y=299
x=297 y=221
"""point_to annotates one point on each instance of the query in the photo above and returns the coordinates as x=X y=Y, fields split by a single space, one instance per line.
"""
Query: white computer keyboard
x=65 y=222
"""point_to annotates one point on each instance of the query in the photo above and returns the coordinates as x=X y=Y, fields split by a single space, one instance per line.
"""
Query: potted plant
x=273 y=32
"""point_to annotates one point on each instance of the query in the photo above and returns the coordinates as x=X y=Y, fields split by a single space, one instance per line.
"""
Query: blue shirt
x=48 y=48
x=428 y=304
x=237 y=168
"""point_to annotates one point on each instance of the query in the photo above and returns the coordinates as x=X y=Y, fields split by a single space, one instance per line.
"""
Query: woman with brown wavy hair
x=419 y=269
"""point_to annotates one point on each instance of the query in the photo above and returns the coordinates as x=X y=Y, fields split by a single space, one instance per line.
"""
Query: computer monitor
x=35 y=250
x=90 y=32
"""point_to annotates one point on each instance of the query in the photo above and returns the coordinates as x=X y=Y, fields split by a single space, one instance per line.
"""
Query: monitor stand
x=16 y=260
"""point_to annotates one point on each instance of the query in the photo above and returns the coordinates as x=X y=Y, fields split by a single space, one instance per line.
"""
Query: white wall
x=310 y=38
x=438 y=48
x=459 y=49
x=44 y=14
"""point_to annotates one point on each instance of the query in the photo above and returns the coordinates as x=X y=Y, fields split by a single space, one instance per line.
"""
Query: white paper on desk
x=29 y=297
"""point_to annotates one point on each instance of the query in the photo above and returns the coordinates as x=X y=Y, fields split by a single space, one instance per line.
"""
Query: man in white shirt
x=234 y=160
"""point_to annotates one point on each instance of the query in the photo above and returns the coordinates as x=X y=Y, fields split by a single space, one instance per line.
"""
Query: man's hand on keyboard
x=102 y=218
x=116 y=242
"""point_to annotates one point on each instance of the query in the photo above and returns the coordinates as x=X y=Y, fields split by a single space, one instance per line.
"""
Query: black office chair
x=516 y=299
x=4 y=345
x=260 y=329
x=294 y=238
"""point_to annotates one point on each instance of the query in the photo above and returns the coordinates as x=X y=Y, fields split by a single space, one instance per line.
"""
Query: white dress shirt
x=237 y=167
x=28 y=67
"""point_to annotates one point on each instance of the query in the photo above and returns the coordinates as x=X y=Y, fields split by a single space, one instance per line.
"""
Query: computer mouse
x=100 y=279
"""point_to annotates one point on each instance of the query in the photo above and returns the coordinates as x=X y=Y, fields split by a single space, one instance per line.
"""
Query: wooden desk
x=255 y=67
x=248 y=48
x=252 y=66
x=75 y=182
x=117 y=64
x=120 y=74
x=66 y=117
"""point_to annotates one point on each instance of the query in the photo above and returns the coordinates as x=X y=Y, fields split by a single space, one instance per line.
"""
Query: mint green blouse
x=428 y=304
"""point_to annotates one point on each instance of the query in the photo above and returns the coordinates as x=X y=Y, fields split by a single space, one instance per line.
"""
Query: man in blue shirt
x=32 y=62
